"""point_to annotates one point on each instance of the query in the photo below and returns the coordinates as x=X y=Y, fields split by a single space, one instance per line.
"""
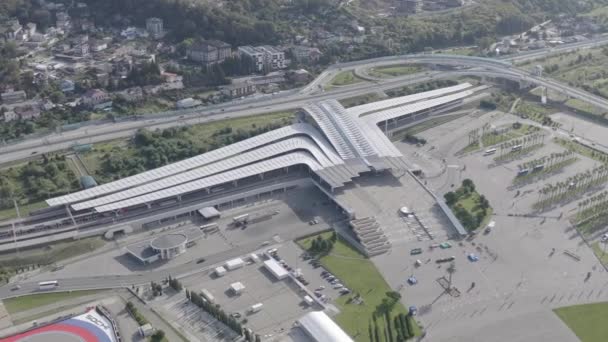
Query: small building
x=234 y=264
x=66 y=86
x=28 y=112
x=12 y=97
x=164 y=247
x=276 y=269
x=187 y=103
x=254 y=258
x=265 y=57
x=306 y=54
x=9 y=115
x=320 y=328
x=238 y=89
x=98 y=45
x=93 y=98
x=133 y=94
x=209 y=213
x=154 y=26
x=146 y=330
x=299 y=76
x=220 y=271
x=262 y=80
x=170 y=245
x=237 y=288
x=87 y=182
x=209 y=52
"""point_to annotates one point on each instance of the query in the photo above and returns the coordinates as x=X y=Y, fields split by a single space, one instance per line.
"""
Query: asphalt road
x=121 y=281
x=297 y=98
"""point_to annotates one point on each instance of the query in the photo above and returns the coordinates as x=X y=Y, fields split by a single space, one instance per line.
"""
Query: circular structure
x=170 y=245
x=89 y=327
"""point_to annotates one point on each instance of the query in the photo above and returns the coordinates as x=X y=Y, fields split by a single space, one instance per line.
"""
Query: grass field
x=534 y=111
x=52 y=253
x=471 y=204
x=490 y=139
x=204 y=136
x=581 y=149
x=360 y=100
x=394 y=70
x=583 y=107
x=361 y=276
x=344 y=78
x=598 y=249
x=587 y=321
x=24 y=210
x=14 y=305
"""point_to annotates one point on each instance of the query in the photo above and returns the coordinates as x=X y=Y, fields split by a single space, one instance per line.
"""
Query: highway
x=312 y=92
x=122 y=281
x=296 y=98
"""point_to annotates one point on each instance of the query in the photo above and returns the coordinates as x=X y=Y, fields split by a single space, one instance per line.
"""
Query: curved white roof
x=397 y=112
x=291 y=159
x=322 y=328
x=235 y=162
x=201 y=160
x=399 y=101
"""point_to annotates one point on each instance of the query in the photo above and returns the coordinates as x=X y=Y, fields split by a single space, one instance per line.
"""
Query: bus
x=48 y=285
x=516 y=148
x=489 y=152
x=210 y=228
x=241 y=218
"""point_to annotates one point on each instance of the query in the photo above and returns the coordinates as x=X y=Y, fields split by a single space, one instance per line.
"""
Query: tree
x=451 y=270
x=450 y=198
x=158 y=336
x=468 y=184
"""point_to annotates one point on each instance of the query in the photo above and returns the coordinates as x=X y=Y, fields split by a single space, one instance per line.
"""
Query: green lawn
x=361 y=276
x=490 y=138
x=598 y=249
x=582 y=149
x=471 y=204
x=394 y=70
x=52 y=253
x=587 y=321
x=534 y=111
x=470 y=148
x=360 y=100
x=583 y=107
x=14 y=305
x=344 y=78
x=24 y=210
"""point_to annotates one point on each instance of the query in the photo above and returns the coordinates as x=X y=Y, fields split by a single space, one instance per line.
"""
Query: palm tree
x=451 y=270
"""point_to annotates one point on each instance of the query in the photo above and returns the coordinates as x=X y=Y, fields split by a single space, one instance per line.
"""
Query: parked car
x=416 y=251
x=472 y=257
x=448 y=259
x=412 y=280
x=445 y=245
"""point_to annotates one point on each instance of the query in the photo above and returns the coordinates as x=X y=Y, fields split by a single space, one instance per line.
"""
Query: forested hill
x=237 y=22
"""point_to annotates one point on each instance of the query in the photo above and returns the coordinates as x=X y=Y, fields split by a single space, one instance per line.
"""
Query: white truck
x=207 y=296
x=256 y=307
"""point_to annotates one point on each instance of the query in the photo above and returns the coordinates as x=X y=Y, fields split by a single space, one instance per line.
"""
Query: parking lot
x=282 y=300
x=288 y=215
x=527 y=265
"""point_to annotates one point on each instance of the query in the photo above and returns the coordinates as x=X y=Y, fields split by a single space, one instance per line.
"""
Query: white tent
x=321 y=328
